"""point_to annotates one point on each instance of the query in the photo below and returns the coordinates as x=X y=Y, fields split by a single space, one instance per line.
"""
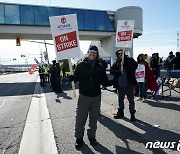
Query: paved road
x=15 y=97
x=158 y=120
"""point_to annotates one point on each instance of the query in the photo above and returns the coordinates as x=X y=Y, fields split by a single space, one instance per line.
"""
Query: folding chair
x=172 y=82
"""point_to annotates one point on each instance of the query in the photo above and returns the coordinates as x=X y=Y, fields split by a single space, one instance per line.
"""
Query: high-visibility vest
x=148 y=61
x=46 y=70
x=159 y=61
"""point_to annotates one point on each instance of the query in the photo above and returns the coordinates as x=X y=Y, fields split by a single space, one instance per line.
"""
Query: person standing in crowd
x=176 y=61
x=147 y=59
x=159 y=59
x=63 y=71
x=53 y=77
x=145 y=78
x=168 y=63
x=58 y=88
x=171 y=55
x=154 y=65
x=46 y=72
x=90 y=74
x=124 y=82
x=42 y=75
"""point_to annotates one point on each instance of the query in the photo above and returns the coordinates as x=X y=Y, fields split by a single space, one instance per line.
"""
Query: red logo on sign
x=66 y=41
x=63 y=20
x=125 y=22
x=139 y=74
x=124 y=36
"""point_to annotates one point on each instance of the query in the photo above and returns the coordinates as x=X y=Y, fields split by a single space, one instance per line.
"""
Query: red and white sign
x=124 y=33
x=66 y=41
x=45 y=53
x=140 y=73
x=66 y=37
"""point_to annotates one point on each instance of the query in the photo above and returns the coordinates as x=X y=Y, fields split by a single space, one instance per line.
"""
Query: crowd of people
x=52 y=74
x=130 y=76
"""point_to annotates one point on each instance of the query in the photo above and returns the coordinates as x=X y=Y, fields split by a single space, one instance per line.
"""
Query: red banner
x=124 y=36
x=140 y=74
x=66 y=41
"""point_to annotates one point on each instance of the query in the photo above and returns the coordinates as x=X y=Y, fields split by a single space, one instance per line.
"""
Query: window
x=41 y=15
x=2 y=21
x=53 y=11
x=80 y=18
x=65 y=11
x=109 y=26
x=89 y=20
x=100 y=20
x=26 y=15
x=12 y=14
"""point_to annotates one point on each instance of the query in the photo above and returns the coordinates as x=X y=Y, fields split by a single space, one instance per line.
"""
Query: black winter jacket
x=90 y=78
x=130 y=65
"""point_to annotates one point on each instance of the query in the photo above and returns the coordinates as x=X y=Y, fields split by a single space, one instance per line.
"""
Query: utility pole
x=41 y=55
x=46 y=50
x=178 y=40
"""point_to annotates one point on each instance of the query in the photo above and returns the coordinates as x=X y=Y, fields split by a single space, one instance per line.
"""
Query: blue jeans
x=142 y=89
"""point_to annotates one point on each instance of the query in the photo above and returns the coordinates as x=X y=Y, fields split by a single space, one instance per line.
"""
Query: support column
x=108 y=45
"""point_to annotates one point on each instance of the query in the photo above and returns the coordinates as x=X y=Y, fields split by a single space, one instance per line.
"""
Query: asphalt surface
x=158 y=120
x=15 y=97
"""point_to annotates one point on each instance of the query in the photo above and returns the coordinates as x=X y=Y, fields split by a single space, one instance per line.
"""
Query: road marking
x=38 y=137
x=2 y=104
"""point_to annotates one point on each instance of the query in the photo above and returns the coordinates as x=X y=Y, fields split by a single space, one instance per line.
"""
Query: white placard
x=124 y=33
x=140 y=73
x=45 y=53
x=66 y=36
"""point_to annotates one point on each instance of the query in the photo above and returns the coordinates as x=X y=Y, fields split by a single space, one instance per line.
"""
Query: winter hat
x=93 y=48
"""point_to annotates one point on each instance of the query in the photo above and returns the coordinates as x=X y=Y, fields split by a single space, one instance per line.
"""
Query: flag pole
x=71 y=73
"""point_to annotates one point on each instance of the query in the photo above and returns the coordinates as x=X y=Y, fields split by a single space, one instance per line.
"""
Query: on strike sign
x=124 y=33
x=140 y=73
x=66 y=41
x=66 y=37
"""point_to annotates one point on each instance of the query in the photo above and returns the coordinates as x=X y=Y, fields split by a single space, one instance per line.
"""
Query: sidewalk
x=158 y=120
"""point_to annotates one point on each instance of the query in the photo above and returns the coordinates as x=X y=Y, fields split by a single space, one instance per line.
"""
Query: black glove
x=71 y=78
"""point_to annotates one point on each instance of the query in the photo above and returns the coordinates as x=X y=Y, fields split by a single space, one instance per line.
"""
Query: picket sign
x=140 y=73
x=124 y=36
x=66 y=39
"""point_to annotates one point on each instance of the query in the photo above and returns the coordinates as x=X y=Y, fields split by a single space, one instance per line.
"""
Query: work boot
x=120 y=114
x=132 y=112
x=93 y=141
x=79 y=143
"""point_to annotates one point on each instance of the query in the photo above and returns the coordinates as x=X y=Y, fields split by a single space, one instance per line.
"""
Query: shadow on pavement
x=120 y=150
x=164 y=105
x=126 y=134
x=154 y=134
x=16 y=89
x=85 y=149
x=101 y=149
x=63 y=95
